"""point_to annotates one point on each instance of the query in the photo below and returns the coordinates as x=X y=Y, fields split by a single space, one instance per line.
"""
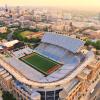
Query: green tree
x=94 y=44
x=7 y=96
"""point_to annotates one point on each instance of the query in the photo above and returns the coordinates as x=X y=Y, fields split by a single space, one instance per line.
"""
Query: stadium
x=50 y=67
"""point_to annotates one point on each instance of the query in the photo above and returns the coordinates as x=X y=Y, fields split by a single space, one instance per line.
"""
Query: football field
x=41 y=63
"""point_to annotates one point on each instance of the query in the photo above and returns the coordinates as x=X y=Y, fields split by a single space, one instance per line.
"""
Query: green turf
x=25 y=33
x=39 y=62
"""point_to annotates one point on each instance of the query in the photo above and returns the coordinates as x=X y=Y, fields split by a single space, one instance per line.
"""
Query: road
x=9 y=37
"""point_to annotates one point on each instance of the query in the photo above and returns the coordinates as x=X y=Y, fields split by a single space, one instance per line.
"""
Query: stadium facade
x=59 y=68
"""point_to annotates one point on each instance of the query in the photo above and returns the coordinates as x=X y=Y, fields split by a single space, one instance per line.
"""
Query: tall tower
x=18 y=10
x=6 y=8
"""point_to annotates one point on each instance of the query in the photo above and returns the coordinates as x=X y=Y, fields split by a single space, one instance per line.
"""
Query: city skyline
x=72 y=4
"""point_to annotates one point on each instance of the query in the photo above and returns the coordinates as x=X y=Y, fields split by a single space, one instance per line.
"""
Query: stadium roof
x=10 y=43
x=67 y=42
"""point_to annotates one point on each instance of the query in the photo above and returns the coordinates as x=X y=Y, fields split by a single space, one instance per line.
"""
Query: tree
x=94 y=44
x=88 y=42
x=7 y=96
x=46 y=29
x=97 y=44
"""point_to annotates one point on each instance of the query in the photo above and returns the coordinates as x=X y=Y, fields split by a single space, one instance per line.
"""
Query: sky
x=71 y=4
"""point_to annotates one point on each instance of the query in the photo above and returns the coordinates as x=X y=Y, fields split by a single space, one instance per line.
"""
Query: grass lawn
x=41 y=63
x=25 y=33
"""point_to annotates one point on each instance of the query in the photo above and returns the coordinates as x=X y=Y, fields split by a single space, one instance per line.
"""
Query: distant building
x=10 y=43
x=25 y=23
x=6 y=8
x=93 y=34
x=3 y=29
